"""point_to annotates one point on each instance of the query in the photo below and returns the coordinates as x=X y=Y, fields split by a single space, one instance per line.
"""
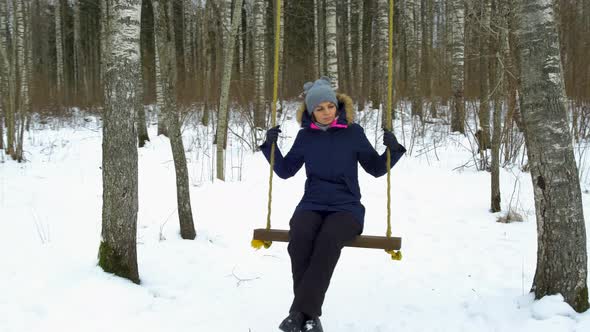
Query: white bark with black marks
x=222 y=119
x=562 y=265
x=382 y=49
x=260 y=63
x=4 y=72
x=413 y=37
x=316 y=38
x=457 y=22
x=331 y=44
x=59 y=41
x=22 y=75
x=118 y=249
x=359 y=54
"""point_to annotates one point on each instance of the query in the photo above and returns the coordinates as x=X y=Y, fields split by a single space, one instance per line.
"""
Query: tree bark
x=484 y=74
x=59 y=42
x=316 y=38
x=22 y=75
x=381 y=53
x=118 y=250
x=359 y=52
x=77 y=67
x=561 y=234
x=321 y=31
x=457 y=9
x=166 y=50
x=260 y=63
x=5 y=69
x=222 y=120
x=413 y=45
x=331 y=47
x=498 y=81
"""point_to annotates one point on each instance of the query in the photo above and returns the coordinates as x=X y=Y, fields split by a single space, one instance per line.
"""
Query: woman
x=330 y=213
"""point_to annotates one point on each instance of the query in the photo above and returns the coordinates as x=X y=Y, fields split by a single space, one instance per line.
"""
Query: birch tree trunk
x=166 y=49
x=188 y=35
x=5 y=80
x=59 y=41
x=561 y=234
x=222 y=120
x=260 y=63
x=142 y=133
x=282 y=59
x=160 y=81
x=22 y=75
x=457 y=10
x=207 y=63
x=359 y=52
x=348 y=47
x=226 y=28
x=484 y=74
x=426 y=60
x=316 y=38
x=413 y=46
x=118 y=250
x=78 y=68
x=331 y=46
x=321 y=30
x=380 y=69
x=499 y=96
x=511 y=84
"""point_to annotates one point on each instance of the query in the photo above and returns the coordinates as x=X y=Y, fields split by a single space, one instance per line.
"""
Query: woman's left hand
x=389 y=140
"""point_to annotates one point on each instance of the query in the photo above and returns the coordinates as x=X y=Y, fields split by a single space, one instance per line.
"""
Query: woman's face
x=325 y=113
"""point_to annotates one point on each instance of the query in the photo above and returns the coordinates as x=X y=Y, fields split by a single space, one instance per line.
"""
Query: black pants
x=316 y=239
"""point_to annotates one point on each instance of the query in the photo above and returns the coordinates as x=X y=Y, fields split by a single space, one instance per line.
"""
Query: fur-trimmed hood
x=344 y=106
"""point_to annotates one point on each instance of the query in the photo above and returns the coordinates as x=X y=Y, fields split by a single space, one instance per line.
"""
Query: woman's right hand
x=272 y=135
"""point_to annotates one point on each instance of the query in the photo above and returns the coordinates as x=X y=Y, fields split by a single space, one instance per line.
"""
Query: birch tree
x=320 y=33
x=561 y=234
x=78 y=68
x=22 y=75
x=166 y=51
x=5 y=81
x=118 y=250
x=381 y=53
x=9 y=32
x=331 y=46
x=413 y=45
x=59 y=52
x=359 y=52
x=142 y=132
x=222 y=120
x=457 y=21
x=259 y=63
x=348 y=47
x=316 y=38
x=499 y=81
x=484 y=74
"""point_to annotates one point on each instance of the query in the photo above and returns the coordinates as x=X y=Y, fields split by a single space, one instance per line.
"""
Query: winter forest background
x=502 y=84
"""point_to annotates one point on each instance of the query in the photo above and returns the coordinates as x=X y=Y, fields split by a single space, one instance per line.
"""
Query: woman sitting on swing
x=330 y=213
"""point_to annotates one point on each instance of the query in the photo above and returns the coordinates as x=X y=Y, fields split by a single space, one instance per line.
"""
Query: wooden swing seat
x=361 y=241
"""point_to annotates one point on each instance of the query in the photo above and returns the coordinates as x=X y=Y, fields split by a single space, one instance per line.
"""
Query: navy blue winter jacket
x=331 y=161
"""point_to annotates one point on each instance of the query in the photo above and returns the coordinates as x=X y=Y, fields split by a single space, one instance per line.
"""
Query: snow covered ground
x=461 y=270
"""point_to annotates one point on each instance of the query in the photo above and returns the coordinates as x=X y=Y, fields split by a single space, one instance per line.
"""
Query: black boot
x=293 y=322
x=313 y=325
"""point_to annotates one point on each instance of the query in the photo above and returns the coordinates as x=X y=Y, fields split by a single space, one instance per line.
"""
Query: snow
x=461 y=270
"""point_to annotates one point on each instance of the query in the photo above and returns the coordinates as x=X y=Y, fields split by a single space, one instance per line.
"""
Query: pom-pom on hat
x=318 y=92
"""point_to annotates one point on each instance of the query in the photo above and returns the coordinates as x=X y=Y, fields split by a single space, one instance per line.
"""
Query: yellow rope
x=258 y=243
x=395 y=254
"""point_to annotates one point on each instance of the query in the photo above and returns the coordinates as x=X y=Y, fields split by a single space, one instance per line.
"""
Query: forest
x=501 y=84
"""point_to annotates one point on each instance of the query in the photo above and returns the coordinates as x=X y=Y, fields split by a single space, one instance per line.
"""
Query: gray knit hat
x=318 y=92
